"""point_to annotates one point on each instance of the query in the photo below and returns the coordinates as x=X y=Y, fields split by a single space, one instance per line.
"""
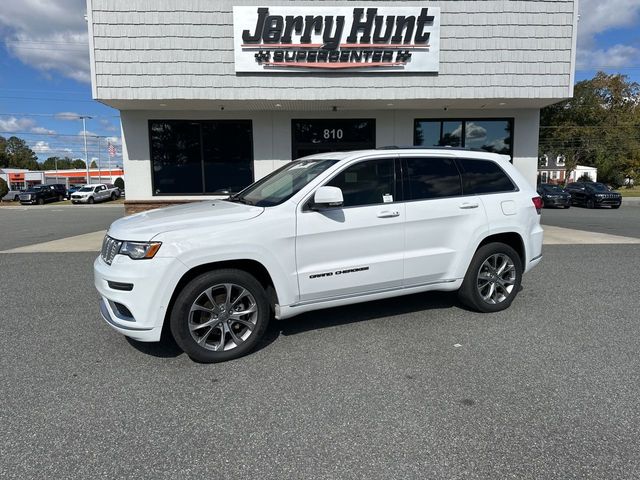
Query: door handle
x=388 y=214
x=466 y=206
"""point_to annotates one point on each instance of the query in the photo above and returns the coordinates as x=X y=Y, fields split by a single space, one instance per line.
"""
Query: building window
x=491 y=135
x=332 y=135
x=560 y=161
x=543 y=161
x=200 y=156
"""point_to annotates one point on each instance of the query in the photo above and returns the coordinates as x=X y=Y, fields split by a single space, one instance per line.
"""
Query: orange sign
x=16 y=177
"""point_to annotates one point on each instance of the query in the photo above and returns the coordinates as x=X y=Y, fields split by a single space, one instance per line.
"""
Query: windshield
x=282 y=184
x=599 y=187
x=86 y=189
x=552 y=189
x=35 y=189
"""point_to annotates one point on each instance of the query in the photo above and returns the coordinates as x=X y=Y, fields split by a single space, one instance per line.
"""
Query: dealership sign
x=325 y=39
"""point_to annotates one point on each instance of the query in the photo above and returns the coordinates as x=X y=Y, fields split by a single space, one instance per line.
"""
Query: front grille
x=110 y=248
x=25 y=197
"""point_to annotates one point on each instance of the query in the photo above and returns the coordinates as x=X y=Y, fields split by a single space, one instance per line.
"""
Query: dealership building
x=214 y=94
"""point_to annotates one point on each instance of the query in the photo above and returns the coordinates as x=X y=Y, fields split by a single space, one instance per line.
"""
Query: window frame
x=463 y=133
x=405 y=177
x=201 y=149
x=516 y=188
x=398 y=185
x=351 y=145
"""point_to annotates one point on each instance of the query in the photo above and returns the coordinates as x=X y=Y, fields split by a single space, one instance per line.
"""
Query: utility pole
x=84 y=134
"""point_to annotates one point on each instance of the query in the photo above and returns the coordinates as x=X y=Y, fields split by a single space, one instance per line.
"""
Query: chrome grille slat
x=110 y=248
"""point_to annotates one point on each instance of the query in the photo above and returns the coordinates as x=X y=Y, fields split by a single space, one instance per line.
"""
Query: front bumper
x=608 y=202
x=146 y=303
x=557 y=202
x=79 y=199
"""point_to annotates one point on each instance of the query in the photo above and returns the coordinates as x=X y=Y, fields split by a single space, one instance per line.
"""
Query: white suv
x=326 y=230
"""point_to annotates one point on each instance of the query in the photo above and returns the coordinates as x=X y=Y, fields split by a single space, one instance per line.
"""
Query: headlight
x=140 y=250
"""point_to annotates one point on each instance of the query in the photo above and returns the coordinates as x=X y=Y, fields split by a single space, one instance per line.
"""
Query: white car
x=326 y=230
x=95 y=193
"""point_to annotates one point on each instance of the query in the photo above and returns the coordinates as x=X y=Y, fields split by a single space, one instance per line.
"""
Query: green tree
x=93 y=164
x=4 y=188
x=77 y=163
x=597 y=127
x=20 y=155
x=119 y=182
x=4 y=156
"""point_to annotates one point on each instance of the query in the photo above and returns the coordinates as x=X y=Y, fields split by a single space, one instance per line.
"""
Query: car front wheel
x=493 y=278
x=90 y=201
x=220 y=315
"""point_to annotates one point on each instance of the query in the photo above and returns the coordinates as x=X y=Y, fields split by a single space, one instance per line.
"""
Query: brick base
x=135 y=206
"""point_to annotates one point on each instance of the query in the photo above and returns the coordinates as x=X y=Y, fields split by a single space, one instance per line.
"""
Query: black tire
x=113 y=197
x=90 y=201
x=468 y=292
x=567 y=206
x=16 y=198
x=40 y=201
x=591 y=204
x=60 y=198
x=179 y=319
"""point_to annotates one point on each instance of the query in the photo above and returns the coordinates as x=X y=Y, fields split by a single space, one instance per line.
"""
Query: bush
x=4 y=188
x=585 y=178
x=119 y=183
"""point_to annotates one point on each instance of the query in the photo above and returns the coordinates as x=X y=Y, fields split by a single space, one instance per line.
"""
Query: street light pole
x=84 y=134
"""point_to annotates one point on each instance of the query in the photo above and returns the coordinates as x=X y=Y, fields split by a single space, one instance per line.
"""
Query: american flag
x=112 y=150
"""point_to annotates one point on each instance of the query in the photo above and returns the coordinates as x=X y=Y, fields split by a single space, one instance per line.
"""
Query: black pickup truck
x=40 y=194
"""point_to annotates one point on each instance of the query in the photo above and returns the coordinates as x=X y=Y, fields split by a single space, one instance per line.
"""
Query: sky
x=45 y=80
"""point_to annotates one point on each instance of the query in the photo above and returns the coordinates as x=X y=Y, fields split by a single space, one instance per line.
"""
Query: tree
x=4 y=188
x=597 y=127
x=20 y=155
x=93 y=164
x=77 y=163
x=119 y=182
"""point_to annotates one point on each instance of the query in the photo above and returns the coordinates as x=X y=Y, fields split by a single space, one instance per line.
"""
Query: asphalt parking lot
x=412 y=387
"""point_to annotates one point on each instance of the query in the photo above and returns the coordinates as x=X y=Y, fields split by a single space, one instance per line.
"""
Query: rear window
x=483 y=176
x=432 y=178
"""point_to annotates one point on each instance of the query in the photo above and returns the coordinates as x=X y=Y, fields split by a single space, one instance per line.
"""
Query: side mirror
x=327 y=197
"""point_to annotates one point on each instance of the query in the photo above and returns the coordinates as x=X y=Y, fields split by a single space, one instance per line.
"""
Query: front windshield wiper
x=236 y=199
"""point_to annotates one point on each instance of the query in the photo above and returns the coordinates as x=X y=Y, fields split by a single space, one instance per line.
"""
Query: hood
x=146 y=225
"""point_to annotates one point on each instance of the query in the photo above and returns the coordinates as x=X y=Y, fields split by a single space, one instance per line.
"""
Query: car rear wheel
x=493 y=278
x=113 y=196
x=16 y=198
x=40 y=201
x=591 y=204
x=220 y=315
x=91 y=200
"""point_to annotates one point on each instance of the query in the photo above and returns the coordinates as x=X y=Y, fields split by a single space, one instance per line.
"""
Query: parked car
x=72 y=190
x=326 y=230
x=13 y=195
x=554 y=196
x=593 y=195
x=41 y=194
x=100 y=192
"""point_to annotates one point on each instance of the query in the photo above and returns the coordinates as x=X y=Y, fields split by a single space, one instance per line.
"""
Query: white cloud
x=114 y=140
x=50 y=36
x=107 y=125
x=88 y=132
x=597 y=17
x=41 y=147
x=42 y=131
x=13 y=124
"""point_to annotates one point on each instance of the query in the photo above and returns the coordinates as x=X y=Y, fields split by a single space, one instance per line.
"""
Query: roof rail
x=444 y=147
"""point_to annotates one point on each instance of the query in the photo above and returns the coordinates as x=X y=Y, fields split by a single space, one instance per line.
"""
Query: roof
x=432 y=152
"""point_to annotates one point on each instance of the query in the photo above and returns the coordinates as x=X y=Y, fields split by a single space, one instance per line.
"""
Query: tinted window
x=492 y=135
x=367 y=183
x=332 y=135
x=204 y=156
x=432 y=178
x=483 y=176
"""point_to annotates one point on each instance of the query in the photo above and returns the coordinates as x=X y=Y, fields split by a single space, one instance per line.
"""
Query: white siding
x=168 y=49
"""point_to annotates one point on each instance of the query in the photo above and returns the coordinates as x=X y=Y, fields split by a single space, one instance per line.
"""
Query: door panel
x=439 y=234
x=359 y=247
x=350 y=251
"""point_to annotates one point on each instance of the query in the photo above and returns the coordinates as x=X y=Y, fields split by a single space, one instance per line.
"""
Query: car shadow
x=326 y=318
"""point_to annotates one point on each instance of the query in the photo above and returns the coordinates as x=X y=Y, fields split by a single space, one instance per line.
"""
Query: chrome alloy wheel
x=496 y=278
x=223 y=317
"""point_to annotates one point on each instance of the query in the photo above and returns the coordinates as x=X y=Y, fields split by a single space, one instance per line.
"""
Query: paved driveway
x=413 y=387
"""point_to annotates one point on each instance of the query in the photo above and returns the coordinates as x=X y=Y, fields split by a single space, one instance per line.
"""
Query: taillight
x=537 y=202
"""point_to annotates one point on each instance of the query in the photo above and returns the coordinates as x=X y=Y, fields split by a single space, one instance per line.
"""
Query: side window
x=367 y=183
x=432 y=178
x=483 y=176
